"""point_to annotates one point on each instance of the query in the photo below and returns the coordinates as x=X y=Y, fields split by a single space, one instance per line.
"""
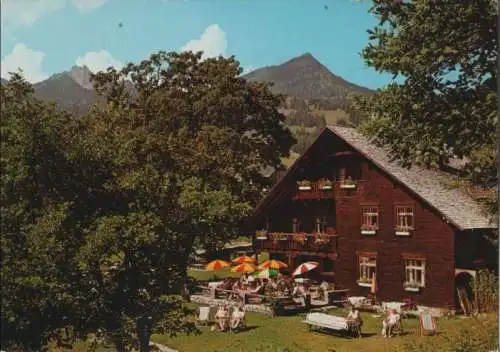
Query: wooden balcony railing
x=300 y=242
x=318 y=190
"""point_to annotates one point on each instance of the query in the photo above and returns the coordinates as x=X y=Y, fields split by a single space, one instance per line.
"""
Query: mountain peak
x=81 y=75
x=306 y=78
x=305 y=60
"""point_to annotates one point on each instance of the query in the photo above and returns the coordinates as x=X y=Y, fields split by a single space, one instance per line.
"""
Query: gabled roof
x=429 y=185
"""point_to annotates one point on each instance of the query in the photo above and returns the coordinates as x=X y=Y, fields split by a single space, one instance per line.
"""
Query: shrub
x=485 y=288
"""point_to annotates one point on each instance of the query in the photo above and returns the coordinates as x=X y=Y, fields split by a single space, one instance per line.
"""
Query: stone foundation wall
x=209 y=301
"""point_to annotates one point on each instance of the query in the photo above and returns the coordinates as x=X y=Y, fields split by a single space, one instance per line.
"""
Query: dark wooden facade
x=432 y=239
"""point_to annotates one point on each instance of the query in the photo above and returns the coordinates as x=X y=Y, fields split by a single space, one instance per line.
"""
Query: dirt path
x=162 y=348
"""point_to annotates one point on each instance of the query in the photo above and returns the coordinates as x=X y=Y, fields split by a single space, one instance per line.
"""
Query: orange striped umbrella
x=243 y=259
x=244 y=268
x=217 y=264
x=273 y=264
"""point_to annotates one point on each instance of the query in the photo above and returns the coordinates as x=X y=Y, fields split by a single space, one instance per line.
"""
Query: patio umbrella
x=305 y=267
x=267 y=273
x=217 y=264
x=243 y=259
x=243 y=268
x=273 y=264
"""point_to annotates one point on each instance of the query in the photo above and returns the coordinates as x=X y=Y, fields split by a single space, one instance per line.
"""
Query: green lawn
x=289 y=334
x=279 y=334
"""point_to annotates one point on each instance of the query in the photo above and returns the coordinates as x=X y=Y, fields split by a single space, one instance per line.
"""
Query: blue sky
x=44 y=37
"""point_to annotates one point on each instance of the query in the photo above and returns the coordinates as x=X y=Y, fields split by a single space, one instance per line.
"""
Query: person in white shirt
x=221 y=317
x=393 y=319
x=238 y=318
x=354 y=320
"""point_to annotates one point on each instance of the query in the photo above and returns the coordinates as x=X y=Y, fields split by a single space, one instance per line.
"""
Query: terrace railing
x=300 y=242
x=333 y=189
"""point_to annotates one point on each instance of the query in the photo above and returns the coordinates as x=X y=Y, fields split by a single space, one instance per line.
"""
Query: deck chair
x=203 y=315
x=427 y=324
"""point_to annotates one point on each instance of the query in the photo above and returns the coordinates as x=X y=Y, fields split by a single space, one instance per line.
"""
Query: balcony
x=295 y=242
x=326 y=189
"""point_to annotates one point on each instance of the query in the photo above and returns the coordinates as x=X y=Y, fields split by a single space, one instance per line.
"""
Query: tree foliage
x=444 y=54
x=99 y=214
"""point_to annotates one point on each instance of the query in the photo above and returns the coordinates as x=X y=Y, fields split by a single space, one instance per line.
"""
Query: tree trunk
x=119 y=345
x=144 y=333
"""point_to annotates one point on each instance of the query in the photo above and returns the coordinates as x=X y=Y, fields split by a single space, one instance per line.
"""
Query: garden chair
x=203 y=315
x=427 y=324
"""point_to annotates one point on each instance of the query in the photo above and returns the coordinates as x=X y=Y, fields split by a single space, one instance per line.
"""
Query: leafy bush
x=485 y=288
x=480 y=335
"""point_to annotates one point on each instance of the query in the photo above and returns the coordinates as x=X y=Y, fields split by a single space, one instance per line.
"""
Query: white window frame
x=412 y=266
x=367 y=266
x=402 y=212
x=368 y=213
x=321 y=223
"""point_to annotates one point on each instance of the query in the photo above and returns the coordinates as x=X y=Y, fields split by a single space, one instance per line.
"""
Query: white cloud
x=98 y=61
x=212 y=42
x=29 y=60
x=87 y=5
x=26 y=12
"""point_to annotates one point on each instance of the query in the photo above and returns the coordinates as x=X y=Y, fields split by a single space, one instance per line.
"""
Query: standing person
x=354 y=320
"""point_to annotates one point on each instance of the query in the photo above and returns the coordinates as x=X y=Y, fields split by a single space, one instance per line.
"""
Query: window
x=321 y=224
x=367 y=269
x=342 y=173
x=297 y=226
x=369 y=221
x=404 y=218
x=414 y=273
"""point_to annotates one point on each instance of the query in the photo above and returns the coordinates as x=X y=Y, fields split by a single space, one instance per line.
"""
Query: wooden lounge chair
x=427 y=324
x=203 y=315
x=331 y=322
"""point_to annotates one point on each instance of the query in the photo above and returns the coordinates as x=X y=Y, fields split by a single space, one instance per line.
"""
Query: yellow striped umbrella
x=244 y=268
x=273 y=264
x=217 y=264
x=243 y=259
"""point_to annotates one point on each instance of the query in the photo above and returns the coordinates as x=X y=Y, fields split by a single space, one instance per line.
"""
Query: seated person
x=221 y=317
x=299 y=290
x=257 y=289
x=393 y=319
x=238 y=318
x=324 y=286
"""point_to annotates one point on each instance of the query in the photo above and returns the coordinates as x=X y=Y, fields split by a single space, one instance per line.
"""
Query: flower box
x=321 y=239
x=261 y=235
x=411 y=288
x=367 y=231
x=304 y=185
x=402 y=232
x=363 y=283
x=348 y=184
x=299 y=238
x=325 y=184
x=279 y=236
